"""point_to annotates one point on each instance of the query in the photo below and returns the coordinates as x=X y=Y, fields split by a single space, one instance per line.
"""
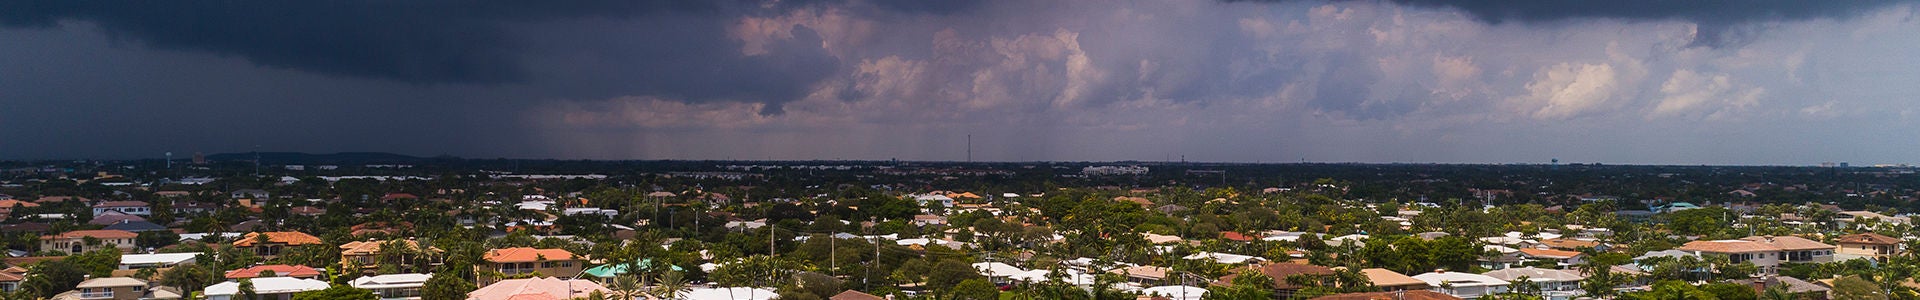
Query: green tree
x=338 y=292
x=1671 y=290
x=948 y=273
x=1249 y=285
x=975 y=289
x=188 y=277
x=246 y=291
x=48 y=278
x=1853 y=287
x=445 y=286
x=1730 y=291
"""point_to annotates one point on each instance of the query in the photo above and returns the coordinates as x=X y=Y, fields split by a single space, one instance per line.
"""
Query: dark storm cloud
x=679 y=49
x=410 y=41
x=1702 y=11
x=1720 y=20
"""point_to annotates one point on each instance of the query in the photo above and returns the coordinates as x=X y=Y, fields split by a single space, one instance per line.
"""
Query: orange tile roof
x=10 y=203
x=293 y=238
x=98 y=234
x=1569 y=243
x=1279 y=272
x=1389 y=278
x=1408 y=295
x=1868 y=238
x=1727 y=246
x=526 y=254
x=855 y=295
x=373 y=247
x=1549 y=253
x=278 y=271
x=1789 y=243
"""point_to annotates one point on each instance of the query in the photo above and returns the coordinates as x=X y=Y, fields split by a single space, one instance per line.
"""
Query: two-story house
x=250 y=194
x=524 y=260
x=136 y=208
x=1797 y=249
x=366 y=254
x=117 y=288
x=1764 y=256
x=82 y=241
x=269 y=245
x=1870 y=245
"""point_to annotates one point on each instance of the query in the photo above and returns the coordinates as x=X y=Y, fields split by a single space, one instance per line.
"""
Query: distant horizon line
x=1161 y=162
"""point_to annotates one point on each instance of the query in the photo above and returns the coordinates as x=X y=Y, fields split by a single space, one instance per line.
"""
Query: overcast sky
x=1470 y=81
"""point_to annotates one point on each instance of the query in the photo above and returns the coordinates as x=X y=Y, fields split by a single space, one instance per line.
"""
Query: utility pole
x=833 y=257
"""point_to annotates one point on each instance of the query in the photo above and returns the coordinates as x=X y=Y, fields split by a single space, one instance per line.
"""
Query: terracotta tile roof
x=1407 y=295
x=1569 y=244
x=1789 y=243
x=98 y=234
x=307 y=211
x=1727 y=246
x=1153 y=272
x=10 y=203
x=1548 y=253
x=526 y=254
x=1235 y=236
x=1389 y=278
x=48 y=199
x=278 y=271
x=293 y=238
x=373 y=247
x=1279 y=272
x=121 y=204
x=854 y=295
x=1868 y=238
x=536 y=288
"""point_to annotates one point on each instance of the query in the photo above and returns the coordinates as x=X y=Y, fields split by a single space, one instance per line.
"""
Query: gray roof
x=1535 y=274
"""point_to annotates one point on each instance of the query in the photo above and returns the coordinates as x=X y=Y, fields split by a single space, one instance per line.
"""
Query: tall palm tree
x=670 y=285
x=626 y=286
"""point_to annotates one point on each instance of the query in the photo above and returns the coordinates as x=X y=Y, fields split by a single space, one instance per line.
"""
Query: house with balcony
x=1764 y=256
x=1870 y=245
x=527 y=260
x=365 y=255
x=1796 y=249
x=82 y=241
x=269 y=245
x=117 y=288
x=1554 y=284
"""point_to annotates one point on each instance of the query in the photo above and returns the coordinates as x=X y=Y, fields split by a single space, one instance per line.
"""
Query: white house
x=158 y=260
x=266 y=287
x=1762 y=255
x=393 y=286
x=1462 y=284
x=1555 y=284
x=136 y=208
x=1231 y=259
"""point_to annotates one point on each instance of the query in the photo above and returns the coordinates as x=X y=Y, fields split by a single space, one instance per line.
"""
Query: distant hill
x=282 y=158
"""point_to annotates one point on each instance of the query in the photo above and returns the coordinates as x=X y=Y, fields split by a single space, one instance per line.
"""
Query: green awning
x=617 y=269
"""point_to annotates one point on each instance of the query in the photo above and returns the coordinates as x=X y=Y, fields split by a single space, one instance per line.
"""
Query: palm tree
x=670 y=285
x=626 y=286
x=1778 y=292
